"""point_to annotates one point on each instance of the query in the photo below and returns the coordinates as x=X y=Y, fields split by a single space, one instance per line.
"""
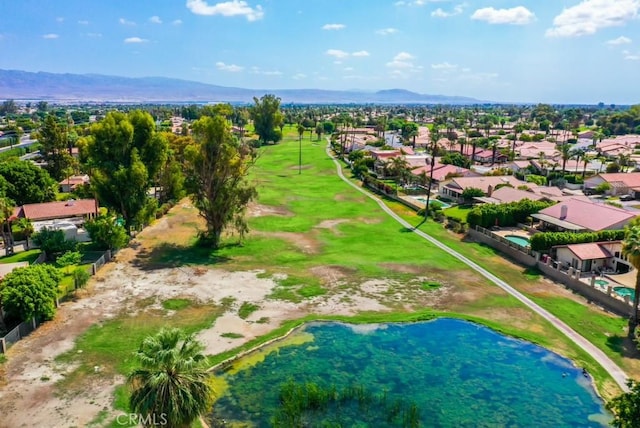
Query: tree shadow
x=624 y=346
x=168 y=255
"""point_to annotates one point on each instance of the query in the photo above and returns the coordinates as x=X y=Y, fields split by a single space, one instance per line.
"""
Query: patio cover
x=557 y=222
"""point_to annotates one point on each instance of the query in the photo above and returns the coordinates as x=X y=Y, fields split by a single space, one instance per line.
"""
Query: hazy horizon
x=566 y=52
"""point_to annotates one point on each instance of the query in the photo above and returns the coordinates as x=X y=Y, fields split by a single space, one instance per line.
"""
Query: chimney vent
x=564 y=210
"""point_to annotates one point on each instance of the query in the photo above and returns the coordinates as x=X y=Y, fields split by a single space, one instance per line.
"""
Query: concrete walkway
x=612 y=368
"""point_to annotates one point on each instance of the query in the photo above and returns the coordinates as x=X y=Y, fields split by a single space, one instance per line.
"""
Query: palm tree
x=6 y=212
x=631 y=249
x=301 y=130
x=586 y=158
x=172 y=384
x=399 y=168
x=26 y=227
x=565 y=152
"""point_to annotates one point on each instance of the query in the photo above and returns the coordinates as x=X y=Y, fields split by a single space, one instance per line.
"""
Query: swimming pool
x=601 y=282
x=624 y=291
x=432 y=202
x=518 y=240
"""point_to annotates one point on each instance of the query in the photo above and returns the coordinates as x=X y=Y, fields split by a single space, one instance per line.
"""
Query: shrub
x=80 y=277
x=544 y=241
x=53 y=242
x=106 y=233
x=488 y=215
x=31 y=291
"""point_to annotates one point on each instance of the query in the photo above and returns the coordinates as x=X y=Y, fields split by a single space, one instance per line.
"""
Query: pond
x=455 y=372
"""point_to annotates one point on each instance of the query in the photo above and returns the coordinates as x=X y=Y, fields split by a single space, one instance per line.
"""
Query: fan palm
x=631 y=249
x=172 y=383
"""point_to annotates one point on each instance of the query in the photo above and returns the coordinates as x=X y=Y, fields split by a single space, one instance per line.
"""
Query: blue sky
x=565 y=51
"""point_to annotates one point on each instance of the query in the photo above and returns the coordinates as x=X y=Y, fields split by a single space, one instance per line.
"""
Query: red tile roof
x=589 y=251
x=588 y=215
x=56 y=210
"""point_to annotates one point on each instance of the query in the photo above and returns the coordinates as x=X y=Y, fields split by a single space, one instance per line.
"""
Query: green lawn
x=459 y=212
x=23 y=256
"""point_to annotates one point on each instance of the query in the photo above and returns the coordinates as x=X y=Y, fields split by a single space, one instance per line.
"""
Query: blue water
x=519 y=240
x=459 y=374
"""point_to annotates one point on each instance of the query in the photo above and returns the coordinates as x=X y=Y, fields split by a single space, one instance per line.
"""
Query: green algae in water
x=458 y=373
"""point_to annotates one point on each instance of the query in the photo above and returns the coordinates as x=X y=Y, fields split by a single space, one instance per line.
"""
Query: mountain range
x=25 y=85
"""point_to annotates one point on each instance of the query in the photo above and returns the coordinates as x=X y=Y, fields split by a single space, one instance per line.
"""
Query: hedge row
x=489 y=215
x=377 y=184
x=544 y=241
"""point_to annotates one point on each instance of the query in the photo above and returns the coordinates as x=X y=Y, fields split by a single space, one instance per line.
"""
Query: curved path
x=612 y=368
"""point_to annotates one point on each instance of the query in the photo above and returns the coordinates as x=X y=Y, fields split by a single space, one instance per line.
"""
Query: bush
x=31 y=291
x=106 y=233
x=544 y=241
x=80 y=277
x=53 y=243
x=488 y=215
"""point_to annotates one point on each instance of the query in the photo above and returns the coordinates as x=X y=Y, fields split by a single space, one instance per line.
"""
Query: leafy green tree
x=26 y=183
x=125 y=156
x=319 y=131
x=69 y=258
x=267 y=117
x=216 y=168
x=626 y=407
x=53 y=243
x=80 y=277
x=171 y=383
x=24 y=226
x=471 y=192
x=31 y=291
x=631 y=249
x=6 y=212
x=8 y=107
x=106 y=233
x=55 y=147
x=457 y=159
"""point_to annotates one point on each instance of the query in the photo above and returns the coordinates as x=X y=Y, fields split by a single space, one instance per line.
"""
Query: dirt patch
x=305 y=242
x=331 y=275
x=332 y=225
x=259 y=210
x=402 y=268
x=369 y=220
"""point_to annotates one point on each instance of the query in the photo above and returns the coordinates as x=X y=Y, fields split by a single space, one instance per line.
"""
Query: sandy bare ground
x=29 y=395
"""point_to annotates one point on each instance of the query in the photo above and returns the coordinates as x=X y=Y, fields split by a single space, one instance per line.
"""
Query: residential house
x=577 y=215
x=505 y=195
x=454 y=187
x=70 y=184
x=442 y=172
x=621 y=183
x=593 y=257
x=62 y=210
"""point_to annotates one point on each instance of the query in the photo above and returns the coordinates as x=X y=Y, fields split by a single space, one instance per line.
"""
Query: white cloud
x=50 y=36
x=258 y=70
x=630 y=56
x=176 y=22
x=403 y=56
x=416 y=2
x=60 y=19
x=402 y=65
x=94 y=35
x=519 y=15
x=360 y=54
x=348 y=69
x=299 y=76
x=337 y=53
x=592 y=15
x=444 y=66
x=135 y=40
x=124 y=21
x=386 y=31
x=334 y=27
x=441 y=13
x=228 y=8
x=229 y=67
x=155 y=20
x=622 y=40
x=83 y=22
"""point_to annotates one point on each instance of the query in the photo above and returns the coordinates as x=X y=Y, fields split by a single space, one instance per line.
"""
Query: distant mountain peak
x=16 y=84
